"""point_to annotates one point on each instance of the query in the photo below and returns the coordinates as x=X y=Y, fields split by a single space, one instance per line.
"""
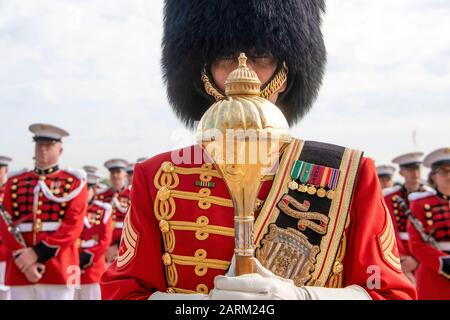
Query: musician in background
x=396 y=199
x=4 y=167
x=385 y=174
x=433 y=211
x=47 y=205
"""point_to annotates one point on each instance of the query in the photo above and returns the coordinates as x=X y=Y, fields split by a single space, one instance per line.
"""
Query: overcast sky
x=93 y=68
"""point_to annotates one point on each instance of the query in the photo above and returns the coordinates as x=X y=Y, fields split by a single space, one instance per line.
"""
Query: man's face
x=130 y=177
x=264 y=64
x=91 y=193
x=411 y=174
x=442 y=177
x=3 y=174
x=47 y=153
x=386 y=181
x=117 y=177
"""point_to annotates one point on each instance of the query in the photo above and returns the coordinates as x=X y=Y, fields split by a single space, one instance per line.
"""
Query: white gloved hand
x=158 y=295
x=264 y=285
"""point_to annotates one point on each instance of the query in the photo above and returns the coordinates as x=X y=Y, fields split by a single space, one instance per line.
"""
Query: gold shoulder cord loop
x=274 y=85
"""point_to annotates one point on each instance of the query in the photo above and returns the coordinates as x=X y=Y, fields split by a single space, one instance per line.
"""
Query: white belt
x=444 y=245
x=118 y=225
x=44 y=226
x=88 y=243
x=404 y=235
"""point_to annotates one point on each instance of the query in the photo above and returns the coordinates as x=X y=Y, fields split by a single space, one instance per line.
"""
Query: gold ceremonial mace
x=243 y=134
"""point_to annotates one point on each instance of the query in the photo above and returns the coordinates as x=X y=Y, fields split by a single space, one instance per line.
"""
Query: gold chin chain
x=274 y=85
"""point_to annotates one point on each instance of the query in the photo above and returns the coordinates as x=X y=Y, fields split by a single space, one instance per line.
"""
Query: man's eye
x=262 y=55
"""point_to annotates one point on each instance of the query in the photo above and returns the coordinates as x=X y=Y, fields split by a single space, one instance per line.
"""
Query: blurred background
x=93 y=68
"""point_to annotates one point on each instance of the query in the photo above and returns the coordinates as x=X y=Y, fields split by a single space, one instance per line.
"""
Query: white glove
x=158 y=295
x=264 y=285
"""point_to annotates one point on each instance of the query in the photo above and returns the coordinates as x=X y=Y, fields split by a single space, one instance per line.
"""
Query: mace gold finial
x=242 y=81
x=242 y=60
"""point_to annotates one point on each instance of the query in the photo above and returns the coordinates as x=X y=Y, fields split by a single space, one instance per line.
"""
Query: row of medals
x=312 y=190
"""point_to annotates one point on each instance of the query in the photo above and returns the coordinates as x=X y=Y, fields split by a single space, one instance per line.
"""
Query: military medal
x=293 y=185
x=311 y=190
x=205 y=184
x=314 y=179
x=330 y=194
x=321 y=193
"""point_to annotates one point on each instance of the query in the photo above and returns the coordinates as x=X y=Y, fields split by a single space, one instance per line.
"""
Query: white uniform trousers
x=4 y=290
x=88 y=292
x=42 y=292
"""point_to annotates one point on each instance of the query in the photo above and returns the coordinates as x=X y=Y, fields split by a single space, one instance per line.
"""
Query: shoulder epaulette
x=102 y=190
x=79 y=174
x=427 y=188
x=389 y=191
x=105 y=206
x=420 y=195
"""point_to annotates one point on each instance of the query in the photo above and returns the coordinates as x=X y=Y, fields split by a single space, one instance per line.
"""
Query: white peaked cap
x=116 y=163
x=385 y=170
x=47 y=131
x=409 y=159
x=92 y=178
x=90 y=169
x=436 y=157
x=130 y=167
x=4 y=161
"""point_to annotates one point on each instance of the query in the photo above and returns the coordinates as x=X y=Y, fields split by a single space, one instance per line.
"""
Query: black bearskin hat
x=198 y=31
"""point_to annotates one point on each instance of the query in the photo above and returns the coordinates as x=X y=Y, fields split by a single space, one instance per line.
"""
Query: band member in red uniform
x=4 y=167
x=397 y=201
x=118 y=195
x=178 y=239
x=429 y=230
x=385 y=174
x=94 y=242
x=45 y=211
x=130 y=173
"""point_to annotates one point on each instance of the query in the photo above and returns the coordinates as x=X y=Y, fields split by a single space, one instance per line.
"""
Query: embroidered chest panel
x=120 y=201
x=196 y=217
x=22 y=194
x=400 y=216
x=94 y=217
x=437 y=218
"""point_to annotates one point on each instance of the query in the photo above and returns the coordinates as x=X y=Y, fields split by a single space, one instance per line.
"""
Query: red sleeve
x=372 y=260
x=9 y=241
x=105 y=236
x=69 y=230
x=424 y=252
x=138 y=271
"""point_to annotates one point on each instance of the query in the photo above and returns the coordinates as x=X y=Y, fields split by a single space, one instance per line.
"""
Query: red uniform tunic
x=94 y=241
x=392 y=196
x=119 y=200
x=197 y=227
x=434 y=212
x=2 y=248
x=52 y=228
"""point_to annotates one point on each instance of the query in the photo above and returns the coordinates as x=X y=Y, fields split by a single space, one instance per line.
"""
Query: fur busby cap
x=198 y=32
